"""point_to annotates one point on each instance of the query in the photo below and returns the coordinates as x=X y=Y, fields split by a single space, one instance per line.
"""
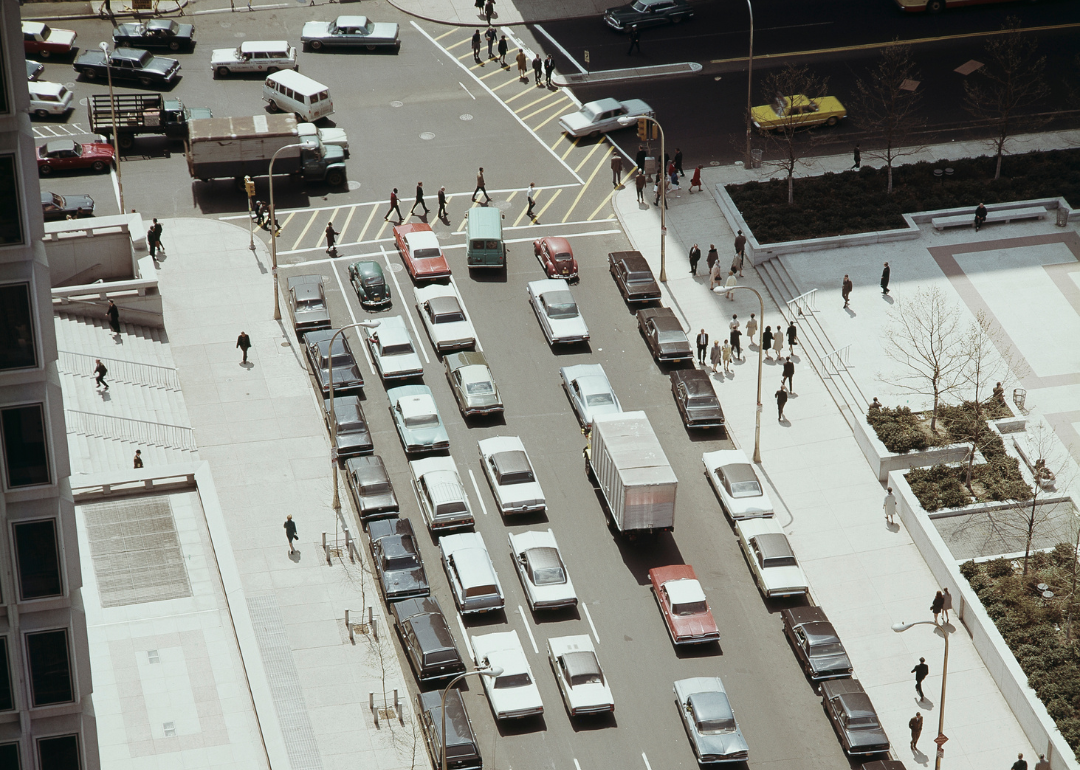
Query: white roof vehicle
x=557 y=311
x=581 y=680
x=440 y=494
x=392 y=349
x=327 y=136
x=542 y=571
x=254 y=56
x=443 y=312
x=776 y=570
x=472 y=577
x=737 y=484
x=602 y=116
x=590 y=392
x=513 y=694
x=511 y=476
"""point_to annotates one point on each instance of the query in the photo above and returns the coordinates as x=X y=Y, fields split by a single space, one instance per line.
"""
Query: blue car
x=417 y=419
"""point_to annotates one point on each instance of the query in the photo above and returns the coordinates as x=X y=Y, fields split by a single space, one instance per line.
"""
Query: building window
x=9 y=756
x=17 y=349
x=12 y=222
x=38 y=559
x=7 y=698
x=50 y=667
x=59 y=753
x=26 y=459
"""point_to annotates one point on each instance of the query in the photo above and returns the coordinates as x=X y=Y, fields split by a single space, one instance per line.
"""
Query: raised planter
x=884 y=462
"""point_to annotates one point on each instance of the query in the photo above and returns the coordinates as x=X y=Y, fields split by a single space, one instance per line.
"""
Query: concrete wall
x=82 y=251
x=882 y=461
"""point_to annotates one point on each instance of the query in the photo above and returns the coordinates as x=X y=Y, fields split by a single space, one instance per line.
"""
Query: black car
x=697 y=402
x=883 y=764
x=370 y=486
x=347 y=377
x=427 y=640
x=55 y=206
x=816 y=643
x=664 y=335
x=853 y=717
x=397 y=559
x=369 y=284
x=647 y=13
x=462 y=749
x=34 y=69
x=353 y=435
x=128 y=64
x=633 y=276
x=156 y=33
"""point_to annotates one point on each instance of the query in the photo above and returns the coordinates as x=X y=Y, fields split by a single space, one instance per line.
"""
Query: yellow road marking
x=607 y=198
x=501 y=68
x=557 y=105
x=508 y=82
x=536 y=217
x=460 y=42
x=367 y=224
x=382 y=229
x=595 y=147
x=287 y=220
x=573 y=144
x=544 y=98
x=548 y=120
x=303 y=232
x=450 y=31
x=588 y=181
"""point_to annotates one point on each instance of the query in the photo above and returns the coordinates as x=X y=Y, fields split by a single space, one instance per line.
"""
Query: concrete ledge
x=632 y=73
x=883 y=462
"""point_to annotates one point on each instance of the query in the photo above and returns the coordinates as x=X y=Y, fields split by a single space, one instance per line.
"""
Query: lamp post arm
x=333 y=411
x=273 y=227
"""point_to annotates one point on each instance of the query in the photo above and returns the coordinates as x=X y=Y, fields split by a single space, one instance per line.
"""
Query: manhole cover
x=239 y=34
x=427 y=136
x=353 y=185
x=466 y=116
x=396 y=103
x=396 y=268
x=502 y=205
x=286 y=344
x=714 y=163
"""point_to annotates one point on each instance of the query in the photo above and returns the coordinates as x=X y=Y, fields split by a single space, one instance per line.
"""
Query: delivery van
x=484 y=245
x=289 y=91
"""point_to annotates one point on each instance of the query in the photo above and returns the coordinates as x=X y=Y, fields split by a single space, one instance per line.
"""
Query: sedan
x=397 y=559
x=472 y=577
x=425 y=635
x=776 y=570
x=513 y=694
x=696 y=399
x=156 y=33
x=462 y=747
x=473 y=385
x=579 y=676
x=853 y=717
x=511 y=476
x=417 y=419
x=34 y=70
x=371 y=488
x=370 y=285
x=798 y=111
x=353 y=435
x=557 y=311
x=737 y=485
x=46 y=41
x=350 y=31
x=556 y=257
x=709 y=720
x=307 y=298
x=647 y=13
x=683 y=604
x=589 y=391
x=67 y=155
x=633 y=276
x=54 y=206
x=421 y=252
x=392 y=350
x=443 y=312
x=128 y=64
x=440 y=494
x=347 y=377
x=664 y=335
x=816 y=643
x=599 y=117
x=543 y=574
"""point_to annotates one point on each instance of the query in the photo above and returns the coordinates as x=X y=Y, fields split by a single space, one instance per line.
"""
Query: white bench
x=999 y=215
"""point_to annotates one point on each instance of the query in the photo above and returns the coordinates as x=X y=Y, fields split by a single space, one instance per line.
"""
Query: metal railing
x=804 y=304
x=81 y=364
x=839 y=358
x=125 y=429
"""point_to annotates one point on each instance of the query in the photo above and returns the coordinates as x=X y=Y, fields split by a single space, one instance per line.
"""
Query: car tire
x=126 y=141
x=88 y=73
x=935 y=6
x=222 y=72
x=315 y=45
x=146 y=82
x=371 y=47
x=98 y=165
x=677 y=19
x=44 y=54
x=41 y=113
x=273 y=106
x=335 y=178
x=45 y=170
x=594 y=134
x=832 y=121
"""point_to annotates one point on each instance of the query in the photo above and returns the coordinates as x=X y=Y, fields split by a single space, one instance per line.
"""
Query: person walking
x=767 y=341
x=792 y=337
x=845 y=289
x=702 y=346
x=937 y=605
x=740 y=249
x=639 y=182
x=857 y=156
x=712 y=258
x=885 y=275
x=639 y=159
x=155 y=228
x=394 y=208
x=730 y=285
x=695 y=257
x=635 y=39
x=523 y=65
x=946 y=604
x=735 y=323
x=1020 y=763
x=778 y=342
x=244 y=343
x=915 y=725
x=736 y=343
x=419 y=199
x=781 y=401
x=889 y=505
x=489 y=11
x=678 y=162
x=616 y=169
x=502 y=49
x=920 y=671
x=137 y=462
x=695 y=181
x=481 y=186
x=530 y=195
x=789 y=375
x=290 y=532
x=715 y=276
x=113 y=314
x=442 y=204
x=736 y=264
x=100 y=371
x=716 y=355
x=476 y=46
x=549 y=67
x=1042 y=764
x=490 y=36
x=980 y=217
x=726 y=354
x=479 y=7
x=751 y=329
x=538 y=68
x=331 y=234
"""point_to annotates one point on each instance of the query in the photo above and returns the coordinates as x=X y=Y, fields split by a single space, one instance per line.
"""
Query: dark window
x=38 y=560
x=50 y=667
x=7 y=699
x=11 y=223
x=59 y=753
x=9 y=756
x=25 y=455
x=16 y=326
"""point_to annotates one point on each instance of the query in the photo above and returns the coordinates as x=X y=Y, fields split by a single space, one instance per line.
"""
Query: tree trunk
x=889 y=191
x=1000 y=152
x=933 y=416
x=790 y=188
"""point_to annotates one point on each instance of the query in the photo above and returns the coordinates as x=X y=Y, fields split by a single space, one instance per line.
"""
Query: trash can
x=650 y=168
x=1019 y=398
x=755 y=158
x=1063 y=216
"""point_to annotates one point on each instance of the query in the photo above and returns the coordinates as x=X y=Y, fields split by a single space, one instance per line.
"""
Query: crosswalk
x=49 y=131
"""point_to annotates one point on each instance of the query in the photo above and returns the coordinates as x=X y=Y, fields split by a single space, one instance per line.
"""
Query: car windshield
x=560 y=304
x=746 y=489
x=716 y=726
x=339 y=359
x=600 y=399
x=479 y=388
x=640 y=6
x=548 y=576
x=689 y=608
x=827 y=648
x=699 y=402
x=57 y=201
x=513 y=680
x=375 y=488
x=562 y=257
x=422 y=421
x=397 y=349
x=404 y=561
x=589 y=113
x=351 y=425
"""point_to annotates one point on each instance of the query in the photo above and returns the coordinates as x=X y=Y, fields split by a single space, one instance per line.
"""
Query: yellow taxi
x=799 y=111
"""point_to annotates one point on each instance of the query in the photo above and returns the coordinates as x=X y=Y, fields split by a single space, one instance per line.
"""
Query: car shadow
x=777 y=604
x=485 y=619
x=488 y=275
x=641 y=553
x=694 y=651
x=572 y=349
x=354 y=50
x=588 y=722
x=485 y=420
x=522 y=726
x=555 y=616
x=704 y=435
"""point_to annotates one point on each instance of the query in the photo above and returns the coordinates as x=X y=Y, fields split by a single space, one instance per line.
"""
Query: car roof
x=475 y=569
x=663 y=317
x=59 y=145
x=711 y=706
x=445 y=304
x=557 y=244
x=159 y=24
x=603 y=105
x=511 y=461
x=44 y=87
x=368 y=269
x=475 y=373
x=737 y=472
x=818 y=632
x=422 y=238
x=444 y=486
x=484 y=223
x=35 y=27
x=307 y=291
x=417 y=406
x=540 y=557
x=696 y=381
x=458 y=730
x=774 y=545
x=684 y=591
x=580 y=663
x=420 y=605
x=351 y=21
x=269 y=46
x=397 y=546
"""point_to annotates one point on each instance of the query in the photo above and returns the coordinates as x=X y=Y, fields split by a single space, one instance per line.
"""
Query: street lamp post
x=760 y=357
x=273 y=223
x=944 y=629
x=749 y=84
x=662 y=182
x=333 y=412
x=492 y=671
x=115 y=127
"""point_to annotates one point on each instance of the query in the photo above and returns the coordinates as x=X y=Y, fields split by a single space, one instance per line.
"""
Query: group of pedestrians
x=395 y=206
x=846 y=285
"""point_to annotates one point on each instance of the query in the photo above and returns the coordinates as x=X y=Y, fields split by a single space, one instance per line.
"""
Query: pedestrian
x=1042 y=764
x=503 y=48
x=740 y=249
x=639 y=182
x=156 y=229
x=875 y=404
x=713 y=257
x=531 y=197
x=549 y=67
x=616 y=169
x=714 y=276
x=946 y=604
x=394 y=208
x=523 y=65
x=736 y=343
x=885 y=273
x=138 y=459
x=716 y=356
x=781 y=401
x=845 y=289
x=489 y=11
x=702 y=346
x=767 y=341
x=726 y=354
x=481 y=186
x=789 y=375
x=290 y=531
x=639 y=159
x=751 y=329
x=857 y=156
x=490 y=35
x=730 y=285
x=915 y=725
x=980 y=217
x=538 y=68
x=113 y=313
x=476 y=46
x=678 y=162
x=666 y=183
x=479 y=6
x=1019 y=764
x=920 y=671
x=151 y=243
x=792 y=337
x=419 y=199
x=331 y=234
x=100 y=371
x=674 y=179
x=735 y=323
x=635 y=39
x=244 y=343
x=695 y=257
x=736 y=264
x=889 y=505
x=695 y=181
x=778 y=342
x=937 y=605
x=442 y=203
x=999 y=394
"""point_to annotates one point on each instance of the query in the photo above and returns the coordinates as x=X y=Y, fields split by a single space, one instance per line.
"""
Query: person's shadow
x=920 y=758
x=247 y=364
x=294 y=556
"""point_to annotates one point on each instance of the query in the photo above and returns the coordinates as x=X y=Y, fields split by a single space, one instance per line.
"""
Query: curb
x=180 y=6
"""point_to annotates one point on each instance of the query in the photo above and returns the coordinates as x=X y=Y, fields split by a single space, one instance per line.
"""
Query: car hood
x=406 y=581
x=723 y=744
x=516 y=699
x=705 y=412
x=698 y=625
x=454 y=331
x=589 y=694
x=224 y=56
x=343 y=377
x=96 y=150
x=316 y=29
x=432 y=266
x=867 y=738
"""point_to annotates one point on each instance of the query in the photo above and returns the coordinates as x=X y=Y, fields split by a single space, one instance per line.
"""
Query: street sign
x=940 y=753
x=586 y=57
x=142 y=5
x=940 y=740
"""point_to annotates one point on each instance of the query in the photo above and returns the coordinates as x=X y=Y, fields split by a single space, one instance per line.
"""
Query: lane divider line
x=476 y=488
x=588 y=617
x=528 y=630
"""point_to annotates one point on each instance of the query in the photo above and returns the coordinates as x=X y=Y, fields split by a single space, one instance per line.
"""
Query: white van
x=49 y=98
x=289 y=91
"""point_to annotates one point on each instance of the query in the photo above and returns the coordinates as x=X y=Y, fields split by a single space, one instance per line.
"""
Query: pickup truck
x=127 y=64
x=141 y=114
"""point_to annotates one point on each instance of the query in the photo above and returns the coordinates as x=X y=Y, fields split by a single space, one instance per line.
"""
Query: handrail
x=104 y=290
x=805 y=303
x=133 y=372
x=126 y=429
x=839 y=357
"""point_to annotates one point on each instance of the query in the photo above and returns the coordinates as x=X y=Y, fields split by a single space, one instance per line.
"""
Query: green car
x=370 y=285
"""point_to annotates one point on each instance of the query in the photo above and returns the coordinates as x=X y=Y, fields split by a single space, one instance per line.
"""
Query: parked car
x=392 y=350
x=472 y=383
x=55 y=206
x=513 y=694
x=601 y=116
x=331 y=135
x=736 y=483
x=883 y=764
x=511 y=476
x=589 y=391
x=577 y=671
x=462 y=748
x=647 y=13
x=557 y=311
x=128 y=64
x=852 y=715
x=353 y=434
x=798 y=111
x=33 y=70
x=816 y=643
x=426 y=638
x=156 y=33
x=347 y=377
x=472 y=576
x=776 y=570
x=397 y=559
x=265 y=56
x=664 y=335
x=68 y=155
x=49 y=99
x=556 y=257
x=307 y=298
x=46 y=41
x=710 y=721
x=369 y=284
x=350 y=32
x=682 y=602
x=371 y=488
x=440 y=494
x=421 y=252
x=696 y=399
x=444 y=315
x=541 y=569
x=633 y=276
x=417 y=419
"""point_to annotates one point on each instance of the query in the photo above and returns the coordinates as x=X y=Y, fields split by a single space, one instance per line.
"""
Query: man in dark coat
x=394 y=208
x=920 y=671
x=678 y=162
x=740 y=245
x=695 y=255
x=857 y=156
x=290 y=531
x=639 y=159
x=503 y=47
x=980 y=217
x=639 y=182
x=885 y=273
x=442 y=203
x=789 y=375
x=331 y=234
x=538 y=68
x=113 y=314
x=736 y=342
x=845 y=289
x=419 y=199
x=549 y=67
x=476 y=46
x=635 y=39
x=781 y=401
x=702 y=346
x=490 y=36
x=244 y=343
x=713 y=257
x=100 y=371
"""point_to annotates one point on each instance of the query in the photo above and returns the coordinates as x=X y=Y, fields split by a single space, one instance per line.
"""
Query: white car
x=49 y=98
x=472 y=577
x=511 y=476
x=253 y=56
x=581 y=680
x=335 y=136
x=590 y=392
x=392 y=349
x=557 y=311
x=542 y=571
x=445 y=318
x=601 y=116
x=513 y=694
x=440 y=494
x=776 y=570
x=737 y=485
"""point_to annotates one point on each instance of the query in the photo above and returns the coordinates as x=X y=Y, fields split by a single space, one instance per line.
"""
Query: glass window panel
x=16 y=327
x=11 y=223
x=26 y=458
x=9 y=756
x=38 y=560
x=50 y=667
x=7 y=698
x=59 y=753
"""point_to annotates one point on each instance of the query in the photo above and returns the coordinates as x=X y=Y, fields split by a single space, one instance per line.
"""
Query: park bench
x=999 y=215
x=1043 y=475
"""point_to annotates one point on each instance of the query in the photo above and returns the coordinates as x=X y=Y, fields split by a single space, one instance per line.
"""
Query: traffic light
x=643 y=129
x=249 y=187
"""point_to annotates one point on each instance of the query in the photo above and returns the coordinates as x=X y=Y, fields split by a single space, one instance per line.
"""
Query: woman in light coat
x=727 y=356
x=714 y=355
x=730 y=283
x=714 y=275
x=778 y=343
x=751 y=329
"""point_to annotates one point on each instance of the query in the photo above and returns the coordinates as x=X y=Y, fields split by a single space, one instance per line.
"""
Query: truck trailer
x=141 y=114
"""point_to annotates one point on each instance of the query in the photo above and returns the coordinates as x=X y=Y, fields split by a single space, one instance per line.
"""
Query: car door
x=579 y=401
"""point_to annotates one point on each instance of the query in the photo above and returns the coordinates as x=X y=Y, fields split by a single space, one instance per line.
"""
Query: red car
x=421 y=252
x=45 y=41
x=556 y=257
x=64 y=155
x=683 y=605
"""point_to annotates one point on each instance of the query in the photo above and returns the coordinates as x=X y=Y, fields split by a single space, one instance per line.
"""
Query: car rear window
x=483 y=590
x=375 y=488
x=422 y=421
x=397 y=349
x=689 y=608
x=599 y=399
x=479 y=389
x=746 y=489
x=427 y=253
x=560 y=304
x=639 y=276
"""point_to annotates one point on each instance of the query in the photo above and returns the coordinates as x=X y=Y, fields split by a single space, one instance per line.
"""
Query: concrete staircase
x=142 y=409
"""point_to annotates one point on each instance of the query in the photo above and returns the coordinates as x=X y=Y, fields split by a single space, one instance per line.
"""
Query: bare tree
x=1012 y=81
x=887 y=105
x=926 y=338
x=792 y=90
